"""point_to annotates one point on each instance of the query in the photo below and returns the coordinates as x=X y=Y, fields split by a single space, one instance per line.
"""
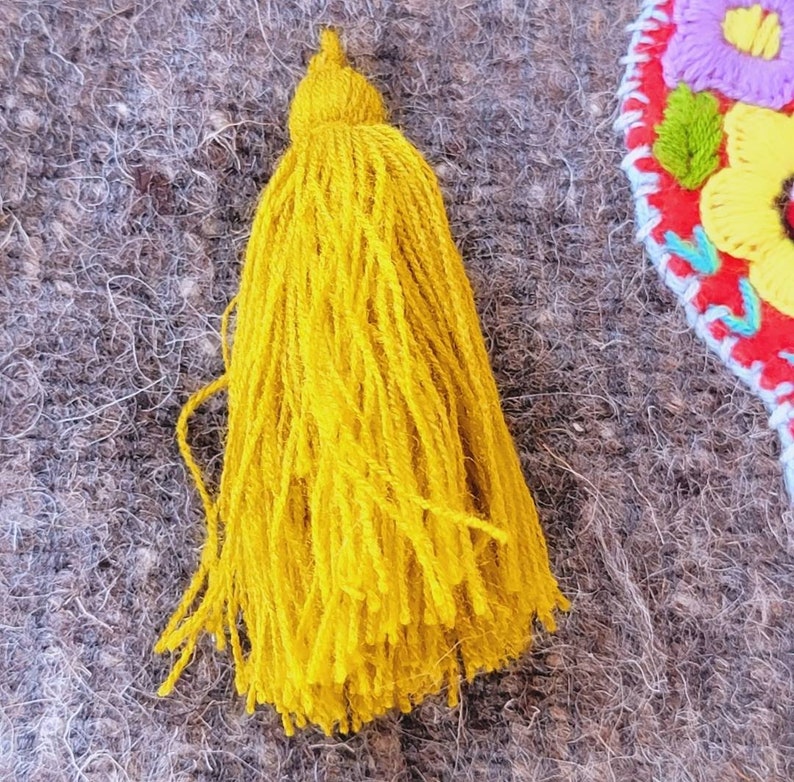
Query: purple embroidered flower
x=741 y=48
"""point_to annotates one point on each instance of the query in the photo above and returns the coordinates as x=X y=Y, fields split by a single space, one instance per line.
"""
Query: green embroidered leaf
x=689 y=137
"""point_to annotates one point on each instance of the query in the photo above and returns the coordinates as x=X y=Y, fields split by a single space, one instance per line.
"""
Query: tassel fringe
x=372 y=539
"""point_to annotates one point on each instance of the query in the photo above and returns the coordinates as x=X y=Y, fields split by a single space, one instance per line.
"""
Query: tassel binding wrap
x=372 y=540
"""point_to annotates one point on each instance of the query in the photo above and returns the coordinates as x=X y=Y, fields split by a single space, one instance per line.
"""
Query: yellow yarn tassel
x=372 y=539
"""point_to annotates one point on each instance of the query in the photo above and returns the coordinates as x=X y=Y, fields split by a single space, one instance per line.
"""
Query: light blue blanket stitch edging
x=645 y=184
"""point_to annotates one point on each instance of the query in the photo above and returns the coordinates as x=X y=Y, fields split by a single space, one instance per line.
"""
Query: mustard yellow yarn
x=372 y=539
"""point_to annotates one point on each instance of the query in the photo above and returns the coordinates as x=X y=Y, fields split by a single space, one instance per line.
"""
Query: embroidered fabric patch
x=707 y=111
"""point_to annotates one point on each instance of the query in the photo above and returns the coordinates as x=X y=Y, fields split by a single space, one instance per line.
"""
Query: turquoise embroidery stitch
x=704 y=259
x=787 y=355
x=701 y=254
x=746 y=325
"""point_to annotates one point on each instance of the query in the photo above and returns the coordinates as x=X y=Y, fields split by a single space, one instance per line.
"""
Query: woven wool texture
x=134 y=140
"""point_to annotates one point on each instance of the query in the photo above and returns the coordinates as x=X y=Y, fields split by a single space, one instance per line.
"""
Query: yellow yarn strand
x=372 y=539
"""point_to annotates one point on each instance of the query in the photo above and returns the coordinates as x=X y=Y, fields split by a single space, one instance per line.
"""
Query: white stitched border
x=644 y=184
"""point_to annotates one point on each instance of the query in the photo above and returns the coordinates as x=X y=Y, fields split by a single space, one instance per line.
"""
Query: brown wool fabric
x=134 y=139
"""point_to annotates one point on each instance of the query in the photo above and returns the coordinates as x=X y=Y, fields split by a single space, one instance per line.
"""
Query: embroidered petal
x=736 y=213
x=773 y=276
x=710 y=51
x=688 y=139
x=740 y=205
x=756 y=140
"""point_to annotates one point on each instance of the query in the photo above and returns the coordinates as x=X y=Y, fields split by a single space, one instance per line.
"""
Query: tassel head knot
x=333 y=93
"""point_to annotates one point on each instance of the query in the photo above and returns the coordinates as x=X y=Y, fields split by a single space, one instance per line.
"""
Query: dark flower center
x=785 y=205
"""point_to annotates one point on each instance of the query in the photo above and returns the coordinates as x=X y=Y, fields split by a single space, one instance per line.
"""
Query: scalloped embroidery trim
x=685 y=287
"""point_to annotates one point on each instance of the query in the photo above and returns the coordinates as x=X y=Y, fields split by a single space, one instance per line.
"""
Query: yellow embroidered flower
x=746 y=207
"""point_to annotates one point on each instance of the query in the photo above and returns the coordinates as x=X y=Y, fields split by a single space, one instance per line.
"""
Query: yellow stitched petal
x=757 y=140
x=753 y=31
x=739 y=205
x=737 y=210
x=773 y=277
